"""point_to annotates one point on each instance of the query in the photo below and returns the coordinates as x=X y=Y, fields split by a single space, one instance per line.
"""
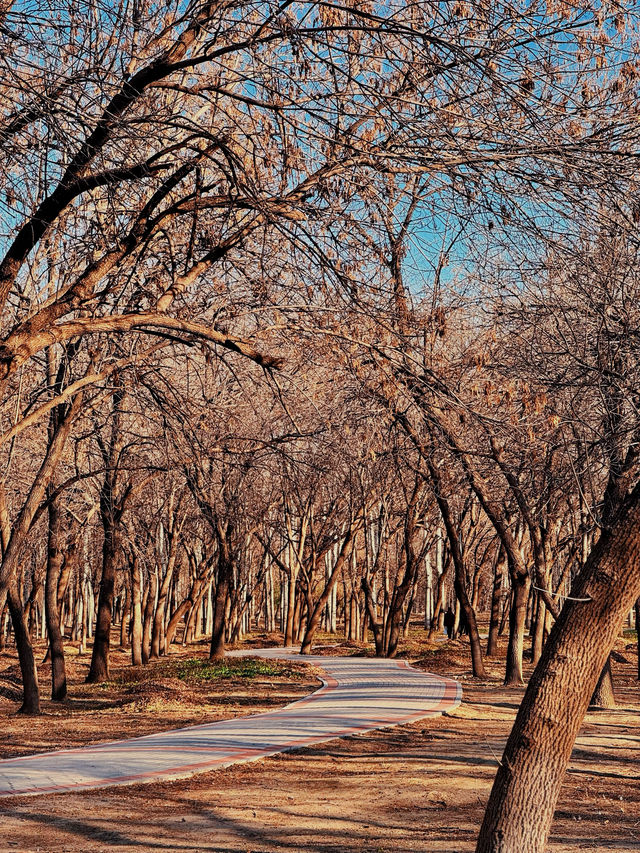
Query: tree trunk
x=442 y=571
x=223 y=588
x=517 y=618
x=136 y=613
x=525 y=792
x=477 y=664
x=291 y=606
x=148 y=616
x=376 y=627
x=181 y=611
x=193 y=613
x=125 y=618
x=603 y=695
x=496 y=598
x=314 y=618
x=216 y=650
x=459 y=579
x=12 y=545
x=111 y=510
x=99 y=669
x=55 y=558
x=31 y=691
x=538 y=630
x=157 y=646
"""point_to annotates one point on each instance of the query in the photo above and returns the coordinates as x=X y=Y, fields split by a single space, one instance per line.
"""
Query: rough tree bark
x=524 y=795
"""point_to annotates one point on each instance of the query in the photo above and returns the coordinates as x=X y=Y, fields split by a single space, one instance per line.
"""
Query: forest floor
x=419 y=787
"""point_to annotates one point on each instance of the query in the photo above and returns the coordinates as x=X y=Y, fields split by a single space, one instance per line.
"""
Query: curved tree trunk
x=527 y=784
x=181 y=610
x=477 y=663
x=12 y=542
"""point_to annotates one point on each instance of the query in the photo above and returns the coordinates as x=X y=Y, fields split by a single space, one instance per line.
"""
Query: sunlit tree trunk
x=525 y=792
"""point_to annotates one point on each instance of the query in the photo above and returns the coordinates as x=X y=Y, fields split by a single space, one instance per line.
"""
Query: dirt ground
x=420 y=787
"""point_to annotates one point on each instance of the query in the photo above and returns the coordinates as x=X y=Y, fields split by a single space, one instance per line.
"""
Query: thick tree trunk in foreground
x=524 y=795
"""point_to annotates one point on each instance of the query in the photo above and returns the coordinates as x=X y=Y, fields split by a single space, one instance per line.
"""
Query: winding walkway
x=359 y=695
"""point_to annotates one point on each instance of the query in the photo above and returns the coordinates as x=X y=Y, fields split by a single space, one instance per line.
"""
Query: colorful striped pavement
x=359 y=695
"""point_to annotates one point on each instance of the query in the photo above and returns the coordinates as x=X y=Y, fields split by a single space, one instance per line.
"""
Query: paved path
x=359 y=694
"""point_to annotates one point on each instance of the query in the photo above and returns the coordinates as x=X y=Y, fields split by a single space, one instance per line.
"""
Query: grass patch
x=203 y=671
x=195 y=669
